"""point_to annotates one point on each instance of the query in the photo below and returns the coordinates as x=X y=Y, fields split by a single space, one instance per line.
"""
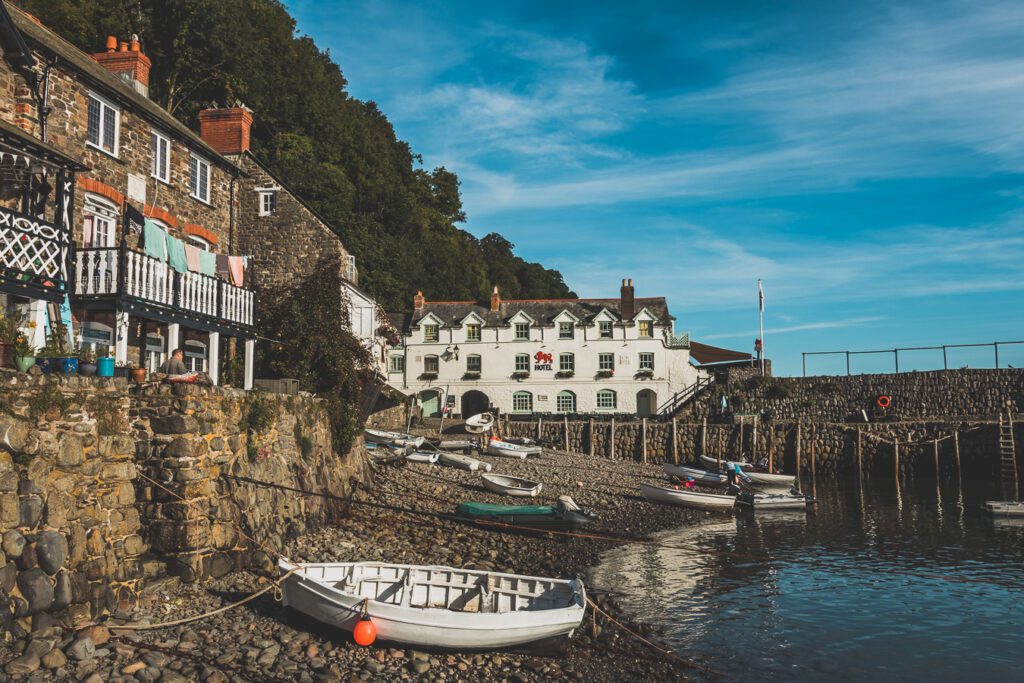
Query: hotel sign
x=543 y=361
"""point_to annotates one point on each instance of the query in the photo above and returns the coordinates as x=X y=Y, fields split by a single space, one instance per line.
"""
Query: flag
x=760 y=296
x=133 y=220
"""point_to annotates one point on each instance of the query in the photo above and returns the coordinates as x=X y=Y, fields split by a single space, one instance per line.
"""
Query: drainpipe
x=41 y=99
x=231 y=214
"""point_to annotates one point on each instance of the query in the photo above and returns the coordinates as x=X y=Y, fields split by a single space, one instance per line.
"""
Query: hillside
x=339 y=153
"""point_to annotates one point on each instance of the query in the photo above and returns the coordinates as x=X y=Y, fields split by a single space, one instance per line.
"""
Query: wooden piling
x=739 y=454
x=753 y=446
x=565 y=432
x=643 y=438
x=612 y=440
x=860 y=463
x=721 y=445
x=771 y=448
x=539 y=421
x=896 y=460
x=590 y=437
x=675 y=441
x=956 y=455
x=799 y=438
x=935 y=453
x=704 y=437
x=814 y=476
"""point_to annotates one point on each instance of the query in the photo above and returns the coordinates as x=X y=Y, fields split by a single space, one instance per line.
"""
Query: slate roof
x=542 y=311
x=113 y=85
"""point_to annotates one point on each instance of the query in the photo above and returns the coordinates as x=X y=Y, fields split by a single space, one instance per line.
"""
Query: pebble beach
x=392 y=519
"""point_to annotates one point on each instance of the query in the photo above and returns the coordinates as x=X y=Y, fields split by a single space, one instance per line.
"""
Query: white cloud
x=803 y=327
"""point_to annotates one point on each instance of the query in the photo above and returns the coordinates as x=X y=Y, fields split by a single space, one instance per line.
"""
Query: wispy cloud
x=803 y=327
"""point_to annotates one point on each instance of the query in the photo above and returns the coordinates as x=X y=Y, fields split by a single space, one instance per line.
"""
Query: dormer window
x=645 y=329
x=104 y=124
x=268 y=202
x=523 y=331
x=565 y=330
x=604 y=328
x=430 y=333
x=473 y=332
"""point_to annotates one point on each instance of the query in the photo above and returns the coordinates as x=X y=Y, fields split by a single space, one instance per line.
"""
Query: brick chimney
x=226 y=130
x=495 y=300
x=128 y=62
x=627 y=304
x=418 y=301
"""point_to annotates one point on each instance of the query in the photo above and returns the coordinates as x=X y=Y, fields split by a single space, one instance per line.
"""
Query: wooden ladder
x=1008 y=454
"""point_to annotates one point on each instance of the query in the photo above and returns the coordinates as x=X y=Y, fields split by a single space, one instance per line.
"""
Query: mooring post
x=814 y=477
x=956 y=455
x=675 y=441
x=643 y=438
x=739 y=455
x=753 y=445
x=612 y=440
x=565 y=432
x=799 y=436
x=539 y=421
x=721 y=445
x=704 y=437
x=507 y=427
x=896 y=459
x=935 y=451
x=771 y=450
x=860 y=463
x=590 y=437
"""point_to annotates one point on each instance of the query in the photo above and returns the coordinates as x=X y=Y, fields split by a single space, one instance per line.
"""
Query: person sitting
x=175 y=365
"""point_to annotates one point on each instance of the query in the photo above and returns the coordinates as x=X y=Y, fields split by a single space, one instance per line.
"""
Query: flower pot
x=139 y=375
x=23 y=363
x=6 y=355
x=105 y=367
x=67 y=366
x=87 y=369
x=47 y=365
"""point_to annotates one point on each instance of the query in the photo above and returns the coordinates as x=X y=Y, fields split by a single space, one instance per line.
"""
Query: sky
x=865 y=159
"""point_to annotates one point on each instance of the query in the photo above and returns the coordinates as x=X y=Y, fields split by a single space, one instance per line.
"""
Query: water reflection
x=886 y=580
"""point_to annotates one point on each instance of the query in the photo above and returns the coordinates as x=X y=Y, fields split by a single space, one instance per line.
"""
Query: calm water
x=870 y=587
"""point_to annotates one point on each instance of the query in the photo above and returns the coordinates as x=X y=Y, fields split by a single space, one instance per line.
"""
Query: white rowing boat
x=511 y=450
x=423 y=456
x=511 y=486
x=392 y=438
x=479 y=424
x=702 y=477
x=436 y=606
x=462 y=462
x=774 y=501
x=1004 y=508
x=758 y=480
x=691 y=499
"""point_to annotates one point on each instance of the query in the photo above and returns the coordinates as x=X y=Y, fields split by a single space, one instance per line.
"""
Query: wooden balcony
x=135 y=278
x=33 y=256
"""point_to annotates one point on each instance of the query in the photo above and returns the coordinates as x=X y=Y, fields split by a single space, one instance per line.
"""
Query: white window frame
x=602 y=325
x=522 y=362
x=396 y=364
x=522 y=402
x=606 y=361
x=104 y=105
x=640 y=324
x=522 y=331
x=265 y=194
x=198 y=241
x=156 y=351
x=605 y=394
x=474 y=332
x=566 y=330
x=102 y=212
x=194 y=359
x=431 y=333
x=431 y=360
x=645 y=360
x=196 y=164
x=161 y=172
x=567 y=362
x=479 y=363
x=559 y=407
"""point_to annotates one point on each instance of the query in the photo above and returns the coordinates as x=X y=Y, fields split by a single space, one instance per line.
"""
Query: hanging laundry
x=154 y=240
x=207 y=263
x=237 y=265
x=223 y=269
x=176 y=254
x=192 y=257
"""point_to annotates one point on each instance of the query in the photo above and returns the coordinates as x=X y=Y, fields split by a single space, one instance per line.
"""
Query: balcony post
x=214 y=361
x=173 y=337
x=37 y=314
x=250 y=362
x=121 y=324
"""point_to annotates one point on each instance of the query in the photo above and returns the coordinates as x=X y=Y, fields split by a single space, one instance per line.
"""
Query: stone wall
x=105 y=487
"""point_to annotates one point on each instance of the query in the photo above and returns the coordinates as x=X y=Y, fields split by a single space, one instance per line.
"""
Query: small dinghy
x=463 y=445
x=715 y=502
x=759 y=477
x=430 y=457
x=511 y=450
x=435 y=606
x=1004 y=508
x=702 y=477
x=566 y=515
x=479 y=424
x=462 y=462
x=774 y=501
x=511 y=486
x=392 y=438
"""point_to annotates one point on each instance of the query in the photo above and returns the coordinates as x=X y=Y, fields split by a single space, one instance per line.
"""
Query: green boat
x=566 y=515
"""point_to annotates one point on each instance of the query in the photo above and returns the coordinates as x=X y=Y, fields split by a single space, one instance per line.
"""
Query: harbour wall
x=106 y=487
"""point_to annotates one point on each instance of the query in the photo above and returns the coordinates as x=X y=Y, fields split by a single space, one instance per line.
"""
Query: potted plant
x=646 y=373
x=471 y=374
x=104 y=363
x=563 y=374
x=10 y=330
x=520 y=375
x=137 y=374
x=426 y=376
x=86 y=362
x=56 y=356
x=605 y=374
x=24 y=354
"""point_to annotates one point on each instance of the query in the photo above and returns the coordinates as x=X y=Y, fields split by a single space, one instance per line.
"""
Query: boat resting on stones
x=774 y=501
x=430 y=457
x=714 y=502
x=511 y=450
x=702 y=477
x=462 y=462
x=435 y=606
x=392 y=438
x=759 y=477
x=1004 y=508
x=565 y=515
x=511 y=486
x=479 y=424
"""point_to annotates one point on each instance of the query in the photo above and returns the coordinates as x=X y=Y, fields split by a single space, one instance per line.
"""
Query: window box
x=562 y=374
x=520 y=374
x=472 y=374
x=426 y=376
x=644 y=374
x=605 y=374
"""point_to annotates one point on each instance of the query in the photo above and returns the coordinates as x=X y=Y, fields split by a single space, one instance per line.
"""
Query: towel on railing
x=207 y=263
x=237 y=265
x=192 y=253
x=154 y=240
x=176 y=254
x=223 y=269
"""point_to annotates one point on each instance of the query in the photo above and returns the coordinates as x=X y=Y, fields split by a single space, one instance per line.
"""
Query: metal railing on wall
x=896 y=353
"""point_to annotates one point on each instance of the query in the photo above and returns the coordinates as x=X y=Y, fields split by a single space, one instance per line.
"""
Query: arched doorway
x=646 y=403
x=474 y=402
x=430 y=401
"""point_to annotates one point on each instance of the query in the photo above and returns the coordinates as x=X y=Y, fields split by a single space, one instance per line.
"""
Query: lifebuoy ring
x=884 y=401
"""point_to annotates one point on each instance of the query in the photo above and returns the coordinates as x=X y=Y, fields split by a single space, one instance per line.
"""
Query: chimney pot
x=495 y=300
x=226 y=130
x=111 y=43
x=132 y=65
x=124 y=46
x=135 y=44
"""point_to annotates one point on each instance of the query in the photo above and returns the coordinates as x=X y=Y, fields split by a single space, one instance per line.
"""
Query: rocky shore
x=392 y=521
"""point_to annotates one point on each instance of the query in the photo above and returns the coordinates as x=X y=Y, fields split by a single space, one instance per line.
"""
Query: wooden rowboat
x=715 y=502
x=511 y=450
x=511 y=486
x=1004 y=508
x=774 y=501
x=702 y=477
x=478 y=424
x=423 y=456
x=462 y=462
x=759 y=477
x=392 y=438
x=435 y=606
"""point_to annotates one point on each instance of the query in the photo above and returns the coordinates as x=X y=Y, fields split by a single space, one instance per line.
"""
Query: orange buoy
x=365 y=632
x=884 y=401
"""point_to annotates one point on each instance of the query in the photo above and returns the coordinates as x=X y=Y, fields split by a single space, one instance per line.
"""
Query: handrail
x=684 y=395
x=896 y=353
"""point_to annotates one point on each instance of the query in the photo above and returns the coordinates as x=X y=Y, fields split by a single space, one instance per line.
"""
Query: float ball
x=365 y=632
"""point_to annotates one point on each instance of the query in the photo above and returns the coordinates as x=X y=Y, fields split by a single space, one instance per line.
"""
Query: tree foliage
x=338 y=153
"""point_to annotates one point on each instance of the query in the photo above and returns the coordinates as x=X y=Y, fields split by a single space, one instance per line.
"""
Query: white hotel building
x=543 y=356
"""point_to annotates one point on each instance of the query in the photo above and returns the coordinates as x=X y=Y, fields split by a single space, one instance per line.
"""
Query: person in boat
x=738 y=482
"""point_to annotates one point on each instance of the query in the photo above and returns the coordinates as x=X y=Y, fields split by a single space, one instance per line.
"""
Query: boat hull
x=479 y=424
x=763 y=501
x=508 y=450
x=1003 y=508
x=759 y=480
x=702 y=477
x=423 y=456
x=392 y=438
x=511 y=486
x=463 y=462
x=691 y=499
x=439 y=626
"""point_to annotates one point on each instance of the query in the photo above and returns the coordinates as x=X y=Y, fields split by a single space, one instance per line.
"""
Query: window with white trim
x=197 y=241
x=645 y=328
x=431 y=364
x=522 y=402
x=156 y=351
x=99 y=222
x=396 y=363
x=646 y=361
x=195 y=356
x=472 y=332
x=473 y=363
x=522 y=330
x=268 y=202
x=606 y=400
x=430 y=333
x=565 y=402
x=565 y=330
x=103 y=130
x=522 y=362
x=160 y=164
x=566 y=362
x=604 y=329
x=199 y=178
x=606 y=361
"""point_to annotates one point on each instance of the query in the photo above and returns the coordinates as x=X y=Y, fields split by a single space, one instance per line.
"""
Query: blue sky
x=866 y=159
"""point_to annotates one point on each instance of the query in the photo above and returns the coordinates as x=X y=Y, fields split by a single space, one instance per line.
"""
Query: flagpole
x=760 y=323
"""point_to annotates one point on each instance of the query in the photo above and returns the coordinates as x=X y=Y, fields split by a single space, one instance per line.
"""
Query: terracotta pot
x=139 y=375
x=23 y=363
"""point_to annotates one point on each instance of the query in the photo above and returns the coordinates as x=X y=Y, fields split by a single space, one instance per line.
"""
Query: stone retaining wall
x=105 y=487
